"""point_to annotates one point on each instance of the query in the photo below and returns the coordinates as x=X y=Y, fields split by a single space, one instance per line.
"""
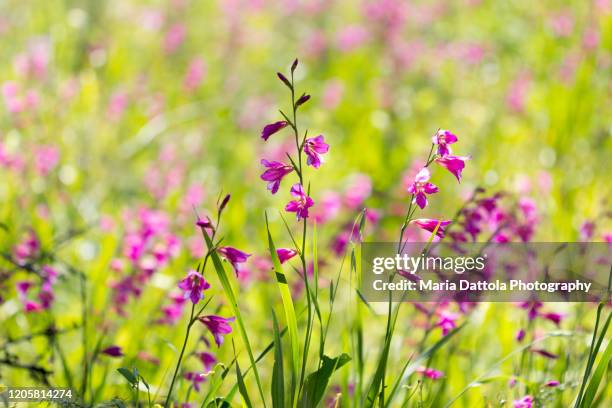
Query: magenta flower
x=447 y=321
x=218 y=326
x=285 y=254
x=194 y=286
x=274 y=173
x=272 y=128
x=430 y=373
x=454 y=164
x=421 y=187
x=234 y=256
x=195 y=378
x=430 y=225
x=207 y=359
x=552 y=383
x=525 y=402
x=113 y=351
x=302 y=204
x=520 y=335
x=443 y=138
x=313 y=148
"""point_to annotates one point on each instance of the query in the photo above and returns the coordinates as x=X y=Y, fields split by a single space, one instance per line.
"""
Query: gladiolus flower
x=218 y=326
x=313 y=148
x=195 y=378
x=430 y=225
x=552 y=383
x=285 y=254
x=553 y=317
x=520 y=335
x=194 y=286
x=302 y=204
x=207 y=359
x=421 y=187
x=443 y=138
x=525 y=402
x=234 y=256
x=113 y=351
x=430 y=373
x=274 y=173
x=272 y=128
x=454 y=164
x=302 y=100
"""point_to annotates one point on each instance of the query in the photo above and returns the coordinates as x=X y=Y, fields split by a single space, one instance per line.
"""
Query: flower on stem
x=234 y=256
x=430 y=373
x=274 y=173
x=421 y=186
x=285 y=254
x=195 y=378
x=430 y=225
x=272 y=128
x=207 y=359
x=302 y=203
x=443 y=138
x=552 y=383
x=218 y=326
x=194 y=286
x=525 y=402
x=454 y=164
x=313 y=148
x=113 y=351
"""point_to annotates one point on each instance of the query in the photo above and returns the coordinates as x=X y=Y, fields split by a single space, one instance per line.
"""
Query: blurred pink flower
x=117 y=104
x=525 y=402
x=562 y=23
x=430 y=225
x=218 y=326
x=517 y=94
x=113 y=351
x=46 y=158
x=359 y=188
x=351 y=37
x=430 y=373
x=174 y=37
x=195 y=74
x=332 y=94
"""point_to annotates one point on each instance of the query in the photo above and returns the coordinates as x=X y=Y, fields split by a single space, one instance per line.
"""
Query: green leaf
x=278 y=376
x=229 y=292
x=281 y=280
x=593 y=385
x=242 y=387
x=128 y=375
x=316 y=382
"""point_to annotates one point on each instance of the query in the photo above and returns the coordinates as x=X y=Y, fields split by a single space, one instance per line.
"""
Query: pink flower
x=552 y=383
x=421 y=186
x=274 y=173
x=313 y=148
x=454 y=164
x=218 y=326
x=234 y=256
x=302 y=204
x=553 y=317
x=443 y=138
x=351 y=37
x=195 y=74
x=285 y=254
x=174 y=38
x=195 y=378
x=430 y=373
x=207 y=359
x=113 y=351
x=47 y=158
x=430 y=225
x=194 y=286
x=520 y=335
x=525 y=402
x=272 y=128
x=447 y=321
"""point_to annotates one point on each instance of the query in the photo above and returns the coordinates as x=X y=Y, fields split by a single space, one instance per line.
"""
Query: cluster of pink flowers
x=148 y=245
x=314 y=148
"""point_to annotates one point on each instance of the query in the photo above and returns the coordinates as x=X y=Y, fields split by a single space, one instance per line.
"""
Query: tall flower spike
x=454 y=164
x=274 y=173
x=314 y=147
x=272 y=128
x=443 y=138
x=421 y=186
x=302 y=203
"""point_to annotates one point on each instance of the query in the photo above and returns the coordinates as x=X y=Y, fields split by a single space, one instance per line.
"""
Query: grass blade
x=278 y=375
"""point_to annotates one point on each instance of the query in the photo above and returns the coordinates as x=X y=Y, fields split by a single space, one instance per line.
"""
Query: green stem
x=178 y=363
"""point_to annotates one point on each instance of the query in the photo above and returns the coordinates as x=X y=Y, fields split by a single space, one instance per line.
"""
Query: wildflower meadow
x=187 y=188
